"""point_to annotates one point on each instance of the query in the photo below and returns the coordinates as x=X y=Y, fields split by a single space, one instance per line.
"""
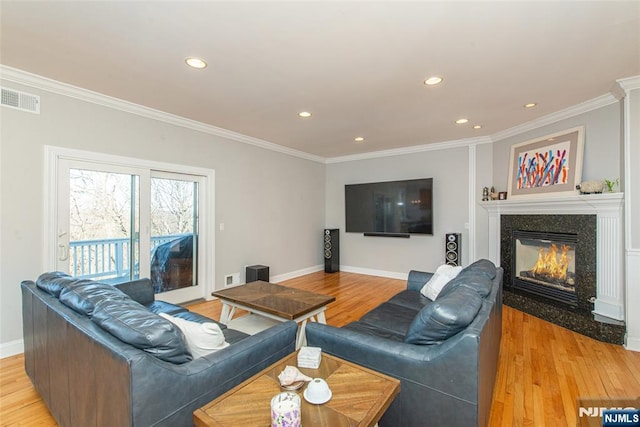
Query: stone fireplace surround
x=584 y=226
x=597 y=219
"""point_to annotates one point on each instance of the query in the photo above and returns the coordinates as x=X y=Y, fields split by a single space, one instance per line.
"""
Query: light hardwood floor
x=543 y=368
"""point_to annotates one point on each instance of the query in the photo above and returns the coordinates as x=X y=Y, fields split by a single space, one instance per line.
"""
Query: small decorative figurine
x=493 y=194
x=485 y=194
x=591 y=187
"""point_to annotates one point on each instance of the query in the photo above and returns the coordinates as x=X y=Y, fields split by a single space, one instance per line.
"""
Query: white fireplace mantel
x=608 y=208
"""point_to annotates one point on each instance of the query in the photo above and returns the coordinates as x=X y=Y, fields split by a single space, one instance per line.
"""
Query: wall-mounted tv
x=395 y=208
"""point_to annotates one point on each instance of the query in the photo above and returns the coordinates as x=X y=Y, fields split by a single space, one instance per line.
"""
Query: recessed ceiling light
x=462 y=121
x=196 y=63
x=433 y=80
x=530 y=105
x=477 y=127
x=304 y=114
x=358 y=139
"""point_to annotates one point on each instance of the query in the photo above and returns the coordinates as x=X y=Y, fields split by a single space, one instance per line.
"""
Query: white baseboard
x=632 y=338
x=632 y=343
x=292 y=275
x=348 y=269
x=372 y=272
x=11 y=348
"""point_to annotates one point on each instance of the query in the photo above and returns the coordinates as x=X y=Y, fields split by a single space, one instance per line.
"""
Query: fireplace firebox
x=544 y=264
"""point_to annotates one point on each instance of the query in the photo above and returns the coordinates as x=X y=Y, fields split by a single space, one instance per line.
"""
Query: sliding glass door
x=118 y=223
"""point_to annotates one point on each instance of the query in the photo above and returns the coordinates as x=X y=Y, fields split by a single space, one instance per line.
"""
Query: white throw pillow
x=201 y=338
x=441 y=277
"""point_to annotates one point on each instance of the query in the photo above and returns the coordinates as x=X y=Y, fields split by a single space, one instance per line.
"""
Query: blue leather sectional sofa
x=444 y=352
x=100 y=355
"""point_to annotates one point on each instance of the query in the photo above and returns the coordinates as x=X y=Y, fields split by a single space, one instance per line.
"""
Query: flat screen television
x=395 y=208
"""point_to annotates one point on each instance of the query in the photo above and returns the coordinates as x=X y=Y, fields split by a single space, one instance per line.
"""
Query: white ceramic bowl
x=317 y=391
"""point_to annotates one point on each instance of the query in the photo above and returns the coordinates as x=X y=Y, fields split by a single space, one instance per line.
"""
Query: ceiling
x=357 y=66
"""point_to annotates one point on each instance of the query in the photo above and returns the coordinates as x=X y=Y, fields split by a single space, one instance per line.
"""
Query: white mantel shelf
x=574 y=204
x=608 y=208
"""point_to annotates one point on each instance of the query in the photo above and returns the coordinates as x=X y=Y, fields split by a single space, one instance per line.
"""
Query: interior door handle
x=63 y=252
x=63 y=249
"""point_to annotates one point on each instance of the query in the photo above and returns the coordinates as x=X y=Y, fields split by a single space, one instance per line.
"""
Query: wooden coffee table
x=360 y=397
x=276 y=302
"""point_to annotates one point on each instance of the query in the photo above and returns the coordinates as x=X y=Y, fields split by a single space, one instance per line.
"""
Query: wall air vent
x=20 y=100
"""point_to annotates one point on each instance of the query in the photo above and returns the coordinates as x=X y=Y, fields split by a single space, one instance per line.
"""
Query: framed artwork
x=548 y=165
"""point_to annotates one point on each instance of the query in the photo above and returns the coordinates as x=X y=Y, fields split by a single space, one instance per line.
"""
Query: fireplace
x=544 y=264
x=535 y=235
x=569 y=241
x=596 y=222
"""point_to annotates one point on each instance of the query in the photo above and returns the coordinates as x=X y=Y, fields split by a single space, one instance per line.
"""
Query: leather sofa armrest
x=181 y=389
x=367 y=349
x=423 y=366
x=417 y=279
x=138 y=290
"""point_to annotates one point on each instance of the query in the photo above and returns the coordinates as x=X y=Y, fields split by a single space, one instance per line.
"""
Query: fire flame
x=550 y=264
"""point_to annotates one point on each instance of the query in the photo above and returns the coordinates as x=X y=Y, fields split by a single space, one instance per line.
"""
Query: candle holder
x=285 y=410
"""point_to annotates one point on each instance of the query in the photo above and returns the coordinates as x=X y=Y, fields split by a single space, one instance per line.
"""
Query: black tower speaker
x=452 y=249
x=331 y=250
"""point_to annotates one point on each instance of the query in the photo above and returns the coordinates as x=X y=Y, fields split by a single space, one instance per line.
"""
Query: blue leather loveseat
x=444 y=352
x=100 y=355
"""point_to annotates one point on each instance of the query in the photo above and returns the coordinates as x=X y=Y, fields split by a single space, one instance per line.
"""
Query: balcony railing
x=108 y=259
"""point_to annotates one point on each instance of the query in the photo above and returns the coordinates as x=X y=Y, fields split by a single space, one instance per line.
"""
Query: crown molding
x=39 y=82
x=412 y=150
x=628 y=84
x=619 y=90
x=35 y=81
x=584 y=107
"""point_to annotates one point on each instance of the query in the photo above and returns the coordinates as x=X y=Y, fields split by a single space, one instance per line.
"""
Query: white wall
x=459 y=176
x=394 y=257
x=484 y=178
x=633 y=130
x=272 y=204
x=632 y=210
x=602 y=145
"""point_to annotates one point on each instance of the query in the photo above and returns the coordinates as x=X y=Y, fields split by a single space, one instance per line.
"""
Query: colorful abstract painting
x=543 y=167
x=548 y=165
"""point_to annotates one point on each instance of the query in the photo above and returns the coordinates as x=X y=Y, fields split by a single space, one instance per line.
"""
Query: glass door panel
x=103 y=228
x=174 y=233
